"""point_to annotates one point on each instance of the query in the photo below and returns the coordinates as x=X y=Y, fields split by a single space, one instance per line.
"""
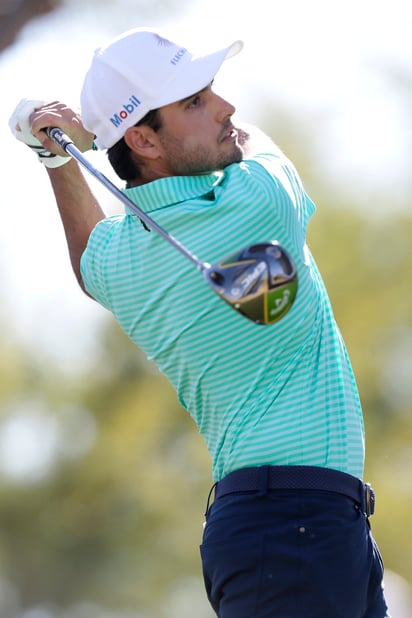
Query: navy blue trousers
x=291 y=554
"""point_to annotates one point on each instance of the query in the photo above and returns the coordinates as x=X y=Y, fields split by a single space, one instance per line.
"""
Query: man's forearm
x=79 y=210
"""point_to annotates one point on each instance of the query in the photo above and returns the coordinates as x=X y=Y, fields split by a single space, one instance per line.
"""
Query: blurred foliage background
x=106 y=519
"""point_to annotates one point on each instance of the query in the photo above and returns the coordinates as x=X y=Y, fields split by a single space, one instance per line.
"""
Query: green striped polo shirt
x=281 y=394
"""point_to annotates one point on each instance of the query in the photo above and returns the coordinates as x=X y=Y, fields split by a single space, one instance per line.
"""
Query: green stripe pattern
x=282 y=394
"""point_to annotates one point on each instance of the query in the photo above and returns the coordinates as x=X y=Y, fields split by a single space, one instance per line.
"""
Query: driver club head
x=259 y=281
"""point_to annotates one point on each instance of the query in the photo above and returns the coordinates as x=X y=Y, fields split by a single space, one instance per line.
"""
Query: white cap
x=137 y=72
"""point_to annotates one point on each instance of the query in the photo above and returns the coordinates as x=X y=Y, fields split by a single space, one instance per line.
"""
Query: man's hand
x=29 y=121
x=253 y=141
x=20 y=126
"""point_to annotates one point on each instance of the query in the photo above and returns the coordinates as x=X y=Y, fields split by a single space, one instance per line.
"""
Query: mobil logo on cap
x=127 y=109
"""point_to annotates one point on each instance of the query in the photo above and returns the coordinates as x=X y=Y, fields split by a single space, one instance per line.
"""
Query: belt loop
x=208 y=505
x=263 y=480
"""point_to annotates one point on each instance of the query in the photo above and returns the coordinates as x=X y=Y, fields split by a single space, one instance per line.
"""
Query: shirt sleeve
x=282 y=170
x=277 y=179
x=93 y=260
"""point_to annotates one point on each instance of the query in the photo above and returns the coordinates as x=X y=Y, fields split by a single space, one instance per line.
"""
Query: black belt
x=298 y=477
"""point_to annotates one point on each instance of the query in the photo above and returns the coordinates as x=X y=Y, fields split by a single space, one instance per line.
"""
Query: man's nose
x=224 y=109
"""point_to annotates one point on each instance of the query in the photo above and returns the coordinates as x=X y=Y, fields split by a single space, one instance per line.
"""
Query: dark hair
x=120 y=155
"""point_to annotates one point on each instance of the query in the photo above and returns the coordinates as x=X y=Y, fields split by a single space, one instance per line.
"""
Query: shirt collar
x=172 y=190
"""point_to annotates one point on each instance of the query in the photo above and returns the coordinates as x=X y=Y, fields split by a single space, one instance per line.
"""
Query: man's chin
x=235 y=157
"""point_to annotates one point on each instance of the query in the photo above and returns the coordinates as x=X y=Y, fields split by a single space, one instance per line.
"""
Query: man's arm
x=78 y=208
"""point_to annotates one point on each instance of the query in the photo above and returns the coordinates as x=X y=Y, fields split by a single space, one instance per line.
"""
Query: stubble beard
x=193 y=160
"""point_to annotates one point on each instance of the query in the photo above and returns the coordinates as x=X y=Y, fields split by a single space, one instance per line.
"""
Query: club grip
x=59 y=137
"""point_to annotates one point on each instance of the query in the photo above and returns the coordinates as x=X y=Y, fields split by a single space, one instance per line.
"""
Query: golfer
x=287 y=531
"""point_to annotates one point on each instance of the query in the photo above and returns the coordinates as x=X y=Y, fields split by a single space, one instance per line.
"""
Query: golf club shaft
x=62 y=140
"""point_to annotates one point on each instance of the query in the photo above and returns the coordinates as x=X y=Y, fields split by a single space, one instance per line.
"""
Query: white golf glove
x=20 y=127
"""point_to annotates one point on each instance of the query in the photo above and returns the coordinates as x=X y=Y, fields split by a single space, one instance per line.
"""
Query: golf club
x=259 y=281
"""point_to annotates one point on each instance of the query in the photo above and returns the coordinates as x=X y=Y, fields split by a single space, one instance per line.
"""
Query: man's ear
x=143 y=141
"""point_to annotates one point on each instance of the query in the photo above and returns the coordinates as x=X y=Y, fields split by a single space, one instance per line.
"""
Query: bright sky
x=323 y=59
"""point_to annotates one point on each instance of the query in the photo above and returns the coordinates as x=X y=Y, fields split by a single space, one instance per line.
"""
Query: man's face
x=197 y=134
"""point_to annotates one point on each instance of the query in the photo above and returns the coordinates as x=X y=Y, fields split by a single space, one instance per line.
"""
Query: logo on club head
x=281 y=303
x=248 y=279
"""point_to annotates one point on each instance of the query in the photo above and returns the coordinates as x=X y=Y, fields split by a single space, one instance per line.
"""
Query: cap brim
x=197 y=74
